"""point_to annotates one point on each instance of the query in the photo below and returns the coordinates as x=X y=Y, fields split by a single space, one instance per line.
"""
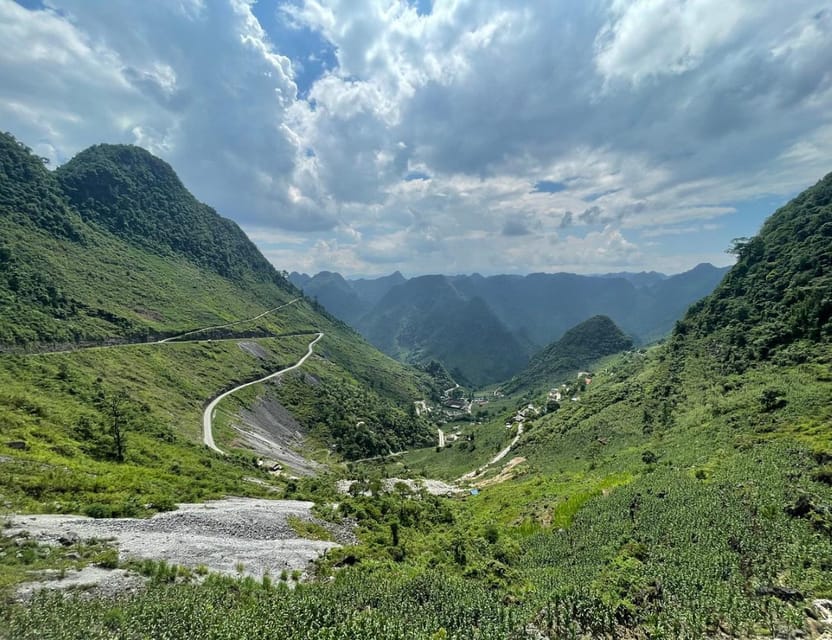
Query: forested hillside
x=780 y=291
x=579 y=347
x=111 y=249
x=426 y=319
x=684 y=494
x=523 y=314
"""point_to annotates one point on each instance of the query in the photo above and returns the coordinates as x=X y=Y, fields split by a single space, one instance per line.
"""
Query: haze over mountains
x=484 y=329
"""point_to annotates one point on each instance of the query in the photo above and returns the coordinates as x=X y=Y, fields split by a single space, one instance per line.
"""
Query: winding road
x=502 y=454
x=210 y=410
x=230 y=324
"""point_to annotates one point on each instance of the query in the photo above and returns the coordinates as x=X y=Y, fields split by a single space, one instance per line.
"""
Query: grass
x=309 y=530
x=23 y=558
x=52 y=403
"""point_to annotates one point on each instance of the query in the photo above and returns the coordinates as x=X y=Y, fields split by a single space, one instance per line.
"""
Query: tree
x=117 y=405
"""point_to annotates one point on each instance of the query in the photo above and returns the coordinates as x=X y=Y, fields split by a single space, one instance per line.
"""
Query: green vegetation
x=60 y=407
x=21 y=557
x=687 y=493
x=581 y=345
x=426 y=319
x=779 y=291
x=360 y=423
x=484 y=328
x=407 y=607
x=112 y=249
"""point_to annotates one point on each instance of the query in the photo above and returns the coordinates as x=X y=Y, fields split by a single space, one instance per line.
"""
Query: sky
x=445 y=136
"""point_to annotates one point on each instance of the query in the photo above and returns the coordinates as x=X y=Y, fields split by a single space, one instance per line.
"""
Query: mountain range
x=110 y=249
x=684 y=491
x=485 y=329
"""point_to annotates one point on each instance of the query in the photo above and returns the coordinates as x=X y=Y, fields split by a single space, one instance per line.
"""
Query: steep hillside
x=114 y=273
x=374 y=289
x=579 y=348
x=543 y=306
x=426 y=319
x=780 y=291
x=671 y=297
x=687 y=493
x=138 y=197
x=112 y=249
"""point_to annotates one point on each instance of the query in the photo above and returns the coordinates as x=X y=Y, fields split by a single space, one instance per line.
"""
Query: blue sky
x=450 y=136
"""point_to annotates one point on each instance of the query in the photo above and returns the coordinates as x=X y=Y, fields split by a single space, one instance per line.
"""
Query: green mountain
x=780 y=291
x=335 y=293
x=111 y=246
x=348 y=300
x=687 y=494
x=579 y=348
x=532 y=311
x=110 y=250
x=426 y=319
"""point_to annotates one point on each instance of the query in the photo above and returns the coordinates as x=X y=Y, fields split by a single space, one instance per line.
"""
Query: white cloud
x=655 y=37
x=651 y=114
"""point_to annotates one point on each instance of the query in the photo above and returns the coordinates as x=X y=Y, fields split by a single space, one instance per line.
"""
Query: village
x=457 y=406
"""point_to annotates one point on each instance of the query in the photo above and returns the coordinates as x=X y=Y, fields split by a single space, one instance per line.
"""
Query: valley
x=176 y=413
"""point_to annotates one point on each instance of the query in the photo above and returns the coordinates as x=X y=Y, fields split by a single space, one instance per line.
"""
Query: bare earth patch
x=271 y=431
x=93 y=581
x=433 y=487
x=505 y=474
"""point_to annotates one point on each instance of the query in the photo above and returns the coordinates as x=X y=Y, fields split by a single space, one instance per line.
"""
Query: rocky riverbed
x=232 y=536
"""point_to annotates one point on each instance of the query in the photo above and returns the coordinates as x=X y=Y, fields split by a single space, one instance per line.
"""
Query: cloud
x=463 y=136
x=515 y=228
x=197 y=83
x=649 y=38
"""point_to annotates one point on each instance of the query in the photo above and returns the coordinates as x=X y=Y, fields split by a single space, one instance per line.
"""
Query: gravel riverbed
x=226 y=536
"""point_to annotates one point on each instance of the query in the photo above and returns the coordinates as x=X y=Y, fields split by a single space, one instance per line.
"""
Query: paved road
x=210 y=410
x=176 y=339
x=225 y=326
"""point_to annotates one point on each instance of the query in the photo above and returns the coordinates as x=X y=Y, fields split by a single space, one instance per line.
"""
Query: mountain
x=136 y=196
x=348 y=300
x=686 y=494
x=111 y=246
x=780 y=291
x=670 y=298
x=535 y=309
x=111 y=251
x=371 y=290
x=427 y=319
x=543 y=306
x=340 y=298
x=640 y=279
x=688 y=489
x=579 y=347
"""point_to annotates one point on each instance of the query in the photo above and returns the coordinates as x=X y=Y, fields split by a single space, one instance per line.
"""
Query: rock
x=821 y=610
x=73 y=555
x=20 y=445
x=69 y=538
x=785 y=594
